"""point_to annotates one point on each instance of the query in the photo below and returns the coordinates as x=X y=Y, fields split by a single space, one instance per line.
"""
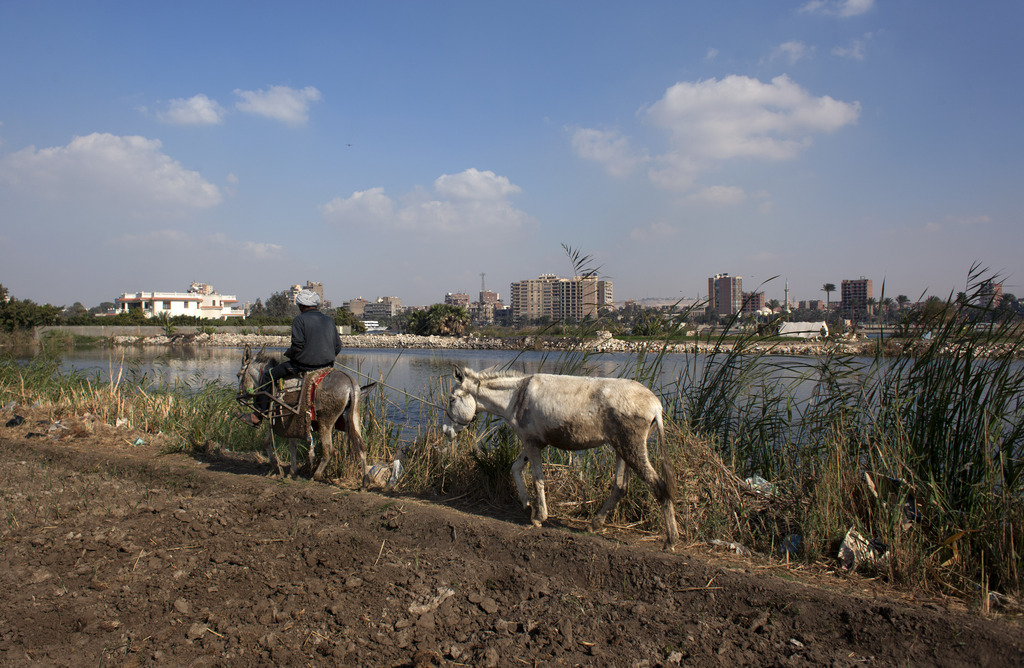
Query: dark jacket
x=315 y=341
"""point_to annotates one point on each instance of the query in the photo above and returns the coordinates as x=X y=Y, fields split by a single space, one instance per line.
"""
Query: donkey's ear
x=459 y=375
x=247 y=353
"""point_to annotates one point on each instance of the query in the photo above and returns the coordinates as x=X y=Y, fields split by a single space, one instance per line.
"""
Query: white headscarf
x=307 y=298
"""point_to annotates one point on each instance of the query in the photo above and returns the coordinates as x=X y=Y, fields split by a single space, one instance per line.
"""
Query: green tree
x=439 y=320
x=828 y=289
x=648 y=323
x=279 y=305
x=346 y=318
x=25 y=314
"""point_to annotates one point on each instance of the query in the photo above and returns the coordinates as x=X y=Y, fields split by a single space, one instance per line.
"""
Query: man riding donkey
x=315 y=344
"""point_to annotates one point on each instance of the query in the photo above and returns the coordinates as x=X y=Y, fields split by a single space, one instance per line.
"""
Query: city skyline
x=405 y=149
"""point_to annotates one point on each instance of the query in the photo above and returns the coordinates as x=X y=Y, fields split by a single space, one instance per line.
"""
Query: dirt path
x=115 y=555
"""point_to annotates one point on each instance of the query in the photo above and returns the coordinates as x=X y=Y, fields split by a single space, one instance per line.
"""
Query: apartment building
x=384 y=307
x=560 y=299
x=725 y=294
x=854 y=295
x=753 y=302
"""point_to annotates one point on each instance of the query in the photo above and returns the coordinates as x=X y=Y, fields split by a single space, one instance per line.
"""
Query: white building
x=201 y=301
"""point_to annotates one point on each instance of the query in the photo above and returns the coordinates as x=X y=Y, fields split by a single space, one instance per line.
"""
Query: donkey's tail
x=667 y=472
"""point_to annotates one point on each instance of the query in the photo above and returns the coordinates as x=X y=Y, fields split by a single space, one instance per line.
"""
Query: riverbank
x=603 y=342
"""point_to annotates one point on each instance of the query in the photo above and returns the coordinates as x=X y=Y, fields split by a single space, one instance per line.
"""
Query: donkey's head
x=462 y=404
x=249 y=372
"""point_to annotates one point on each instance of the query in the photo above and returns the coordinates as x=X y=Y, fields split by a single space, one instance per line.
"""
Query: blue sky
x=406 y=148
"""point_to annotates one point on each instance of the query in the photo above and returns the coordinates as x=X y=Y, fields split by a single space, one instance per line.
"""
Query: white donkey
x=570 y=413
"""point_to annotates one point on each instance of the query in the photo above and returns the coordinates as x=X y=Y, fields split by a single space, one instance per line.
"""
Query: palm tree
x=828 y=289
x=902 y=301
x=887 y=302
x=774 y=304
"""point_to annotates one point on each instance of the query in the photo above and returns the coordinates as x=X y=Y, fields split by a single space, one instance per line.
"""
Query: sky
x=413 y=149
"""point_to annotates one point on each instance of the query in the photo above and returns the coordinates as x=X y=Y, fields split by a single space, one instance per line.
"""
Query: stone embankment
x=602 y=342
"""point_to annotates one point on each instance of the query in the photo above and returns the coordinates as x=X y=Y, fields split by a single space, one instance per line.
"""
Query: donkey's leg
x=275 y=463
x=312 y=454
x=327 y=445
x=540 y=513
x=357 y=449
x=517 y=474
x=619 y=482
x=293 y=451
x=663 y=488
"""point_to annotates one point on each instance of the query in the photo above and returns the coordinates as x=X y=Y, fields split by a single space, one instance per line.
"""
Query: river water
x=412 y=379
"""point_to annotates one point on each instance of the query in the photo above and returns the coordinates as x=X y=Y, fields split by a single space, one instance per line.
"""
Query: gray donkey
x=570 y=413
x=335 y=405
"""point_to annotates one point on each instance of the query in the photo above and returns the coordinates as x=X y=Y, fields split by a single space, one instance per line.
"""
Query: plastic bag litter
x=383 y=475
x=856 y=550
x=759 y=484
x=735 y=547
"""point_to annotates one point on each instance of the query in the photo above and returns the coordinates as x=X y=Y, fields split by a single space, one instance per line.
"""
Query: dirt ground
x=114 y=554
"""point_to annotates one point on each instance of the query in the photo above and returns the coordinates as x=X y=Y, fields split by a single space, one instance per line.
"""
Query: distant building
x=316 y=287
x=201 y=301
x=457 y=299
x=988 y=294
x=560 y=299
x=355 y=306
x=725 y=294
x=753 y=302
x=854 y=296
x=384 y=307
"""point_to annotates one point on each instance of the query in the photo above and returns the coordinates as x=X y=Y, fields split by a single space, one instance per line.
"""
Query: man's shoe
x=250 y=419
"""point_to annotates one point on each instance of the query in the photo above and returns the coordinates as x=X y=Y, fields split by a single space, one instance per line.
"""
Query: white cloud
x=791 y=51
x=115 y=174
x=472 y=200
x=196 y=110
x=971 y=221
x=711 y=54
x=738 y=117
x=281 y=103
x=366 y=207
x=474 y=184
x=180 y=241
x=656 y=230
x=155 y=239
x=856 y=49
x=840 y=8
x=609 y=148
x=261 y=251
x=718 y=195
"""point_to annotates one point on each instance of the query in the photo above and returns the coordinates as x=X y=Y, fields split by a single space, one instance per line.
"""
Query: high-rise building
x=725 y=294
x=560 y=299
x=854 y=296
x=753 y=302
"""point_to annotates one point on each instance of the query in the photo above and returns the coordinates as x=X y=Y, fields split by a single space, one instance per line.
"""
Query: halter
x=476 y=411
